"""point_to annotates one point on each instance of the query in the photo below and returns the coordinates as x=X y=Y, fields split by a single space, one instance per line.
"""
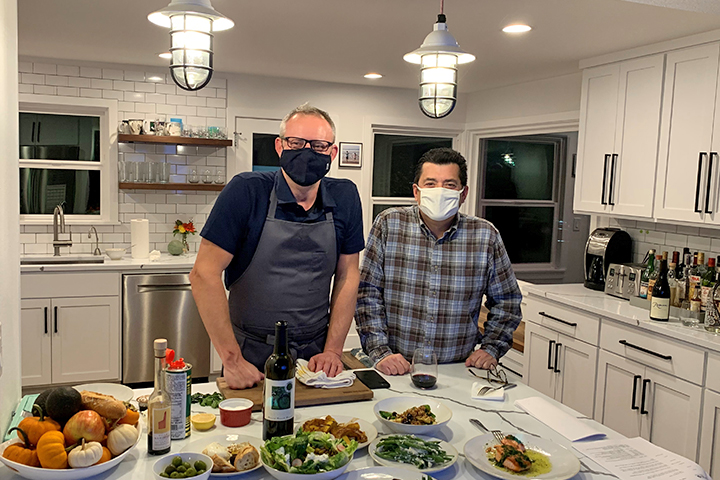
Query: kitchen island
x=453 y=389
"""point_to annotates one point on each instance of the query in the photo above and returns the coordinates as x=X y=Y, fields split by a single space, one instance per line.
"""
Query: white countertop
x=453 y=389
x=127 y=264
x=599 y=303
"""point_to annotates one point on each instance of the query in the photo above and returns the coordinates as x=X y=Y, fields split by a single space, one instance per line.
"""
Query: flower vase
x=186 y=247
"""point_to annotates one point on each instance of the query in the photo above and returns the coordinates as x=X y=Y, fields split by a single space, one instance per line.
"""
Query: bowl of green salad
x=307 y=456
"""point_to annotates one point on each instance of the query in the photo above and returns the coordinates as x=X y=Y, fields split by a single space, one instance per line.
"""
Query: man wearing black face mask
x=281 y=237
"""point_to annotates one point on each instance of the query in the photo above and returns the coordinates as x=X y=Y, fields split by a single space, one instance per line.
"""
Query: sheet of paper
x=638 y=459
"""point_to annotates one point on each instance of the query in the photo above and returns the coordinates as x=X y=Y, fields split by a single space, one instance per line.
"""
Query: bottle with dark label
x=673 y=282
x=647 y=271
x=708 y=282
x=279 y=388
x=696 y=274
x=660 y=303
x=159 y=407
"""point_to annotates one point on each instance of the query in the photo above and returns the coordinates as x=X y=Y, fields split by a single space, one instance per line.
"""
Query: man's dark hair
x=443 y=156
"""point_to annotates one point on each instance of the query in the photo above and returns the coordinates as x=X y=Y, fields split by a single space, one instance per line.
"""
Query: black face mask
x=305 y=166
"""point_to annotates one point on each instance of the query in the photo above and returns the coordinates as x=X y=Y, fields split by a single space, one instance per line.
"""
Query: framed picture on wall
x=350 y=155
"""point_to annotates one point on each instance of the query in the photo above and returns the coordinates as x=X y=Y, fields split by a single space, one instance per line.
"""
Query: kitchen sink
x=61 y=260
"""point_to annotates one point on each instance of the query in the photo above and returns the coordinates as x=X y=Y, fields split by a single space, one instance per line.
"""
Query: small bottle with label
x=279 y=388
x=159 y=407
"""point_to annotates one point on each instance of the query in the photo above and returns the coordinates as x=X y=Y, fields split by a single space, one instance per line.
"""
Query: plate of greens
x=423 y=453
x=307 y=455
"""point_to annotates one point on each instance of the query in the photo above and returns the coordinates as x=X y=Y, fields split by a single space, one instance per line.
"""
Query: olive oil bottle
x=159 y=407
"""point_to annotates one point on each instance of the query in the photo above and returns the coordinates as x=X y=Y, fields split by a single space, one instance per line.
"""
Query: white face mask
x=439 y=203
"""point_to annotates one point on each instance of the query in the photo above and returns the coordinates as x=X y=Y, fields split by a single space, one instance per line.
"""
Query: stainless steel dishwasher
x=161 y=306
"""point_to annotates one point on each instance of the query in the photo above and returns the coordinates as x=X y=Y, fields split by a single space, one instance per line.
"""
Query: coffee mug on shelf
x=174 y=129
x=136 y=126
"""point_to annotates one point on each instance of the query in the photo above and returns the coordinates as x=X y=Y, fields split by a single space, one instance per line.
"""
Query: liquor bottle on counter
x=654 y=275
x=159 y=407
x=712 y=315
x=708 y=282
x=695 y=274
x=660 y=303
x=647 y=271
x=279 y=387
x=674 y=284
x=682 y=263
x=665 y=257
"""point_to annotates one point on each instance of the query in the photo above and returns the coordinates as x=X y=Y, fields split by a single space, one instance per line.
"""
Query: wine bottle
x=647 y=271
x=159 y=407
x=708 y=282
x=279 y=388
x=696 y=274
x=660 y=303
x=674 y=285
x=653 y=276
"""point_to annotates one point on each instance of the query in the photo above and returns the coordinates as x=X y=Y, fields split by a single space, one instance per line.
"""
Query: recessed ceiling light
x=165 y=55
x=373 y=75
x=517 y=28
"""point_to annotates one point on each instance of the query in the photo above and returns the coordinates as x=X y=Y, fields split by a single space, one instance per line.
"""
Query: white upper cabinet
x=619 y=124
x=686 y=136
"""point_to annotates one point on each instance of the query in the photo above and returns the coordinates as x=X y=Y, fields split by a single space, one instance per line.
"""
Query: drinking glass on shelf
x=153 y=172
x=144 y=172
x=164 y=174
x=220 y=176
x=121 y=171
x=187 y=130
x=222 y=133
x=193 y=176
x=207 y=176
x=424 y=367
x=136 y=172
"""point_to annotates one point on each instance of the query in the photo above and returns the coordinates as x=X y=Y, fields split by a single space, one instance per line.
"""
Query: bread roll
x=246 y=458
x=220 y=465
x=105 y=405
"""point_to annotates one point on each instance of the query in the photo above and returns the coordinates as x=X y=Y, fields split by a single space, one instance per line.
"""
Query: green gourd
x=175 y=247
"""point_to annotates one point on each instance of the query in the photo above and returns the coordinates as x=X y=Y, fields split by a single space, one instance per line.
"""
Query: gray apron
x=288 y=279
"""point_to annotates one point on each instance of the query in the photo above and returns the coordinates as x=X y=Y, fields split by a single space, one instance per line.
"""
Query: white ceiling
x=340 y=40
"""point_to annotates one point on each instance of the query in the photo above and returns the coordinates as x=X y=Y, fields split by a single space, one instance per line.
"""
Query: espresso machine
x=605 y=246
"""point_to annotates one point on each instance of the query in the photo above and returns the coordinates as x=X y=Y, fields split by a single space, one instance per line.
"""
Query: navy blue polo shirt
x=237 y=218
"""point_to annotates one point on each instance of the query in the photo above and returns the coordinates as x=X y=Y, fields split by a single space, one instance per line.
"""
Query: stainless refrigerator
x=161 y=306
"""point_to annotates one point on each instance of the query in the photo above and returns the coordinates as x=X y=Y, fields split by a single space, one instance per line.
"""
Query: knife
x=479 y=424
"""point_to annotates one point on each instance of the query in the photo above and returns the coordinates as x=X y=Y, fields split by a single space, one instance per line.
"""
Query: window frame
x=556 y=202
x=107 y=111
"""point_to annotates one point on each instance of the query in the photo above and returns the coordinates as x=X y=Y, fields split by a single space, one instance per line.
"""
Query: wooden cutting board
x=304 y=396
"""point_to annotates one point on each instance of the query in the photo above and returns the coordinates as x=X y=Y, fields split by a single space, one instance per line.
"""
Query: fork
x=487 y=389
x=496 y=433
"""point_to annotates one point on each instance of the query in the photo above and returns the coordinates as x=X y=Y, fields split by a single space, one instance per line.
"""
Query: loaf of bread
x=246 y=457
x=220 y=465
x=105 y=405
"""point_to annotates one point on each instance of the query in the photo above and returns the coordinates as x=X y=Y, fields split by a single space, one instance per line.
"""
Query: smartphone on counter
x=371 y=379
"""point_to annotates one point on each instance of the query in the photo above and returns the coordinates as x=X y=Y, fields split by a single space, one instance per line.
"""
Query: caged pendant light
x=438 y=57
x=191 y=24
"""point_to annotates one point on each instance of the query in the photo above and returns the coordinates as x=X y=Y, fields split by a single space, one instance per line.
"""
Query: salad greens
x=307 y=452
x=412 y=450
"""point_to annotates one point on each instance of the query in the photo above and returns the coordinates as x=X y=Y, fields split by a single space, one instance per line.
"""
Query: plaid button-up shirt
x=417 y=290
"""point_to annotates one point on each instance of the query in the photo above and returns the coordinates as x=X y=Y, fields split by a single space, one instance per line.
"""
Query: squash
x=34 y=427
x=51 y=450
x=21 y=452
x=131 y=416
x=121 y=438
x=85 y=455
x=106 y=455
x=62 y=403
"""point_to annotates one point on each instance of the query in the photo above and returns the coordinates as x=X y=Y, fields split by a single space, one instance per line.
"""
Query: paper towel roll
x=140 y=237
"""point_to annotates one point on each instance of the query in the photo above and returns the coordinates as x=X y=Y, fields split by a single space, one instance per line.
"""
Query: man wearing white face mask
x=425 y=272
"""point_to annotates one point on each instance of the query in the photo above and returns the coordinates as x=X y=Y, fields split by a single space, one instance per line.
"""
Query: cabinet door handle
x=709 y=181
x=55 y=319
x=32 y=134
x=635 y=380
x=550 y=345
x=557 y=355
x=570 y=324
x=697 y=183
x=646 y=382
x=604 y=180
x=645 y=350
x=612 y=179
x=46 y=319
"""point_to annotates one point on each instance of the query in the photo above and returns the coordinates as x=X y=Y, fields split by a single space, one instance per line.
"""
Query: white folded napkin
x=496 y=395
x=320 y=379
x=154 y=256
x=563 y=423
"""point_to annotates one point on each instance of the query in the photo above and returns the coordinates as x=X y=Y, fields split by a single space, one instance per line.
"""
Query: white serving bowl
x=160 y=465
x=115 y=253
x=399 y=404
x=306 y=476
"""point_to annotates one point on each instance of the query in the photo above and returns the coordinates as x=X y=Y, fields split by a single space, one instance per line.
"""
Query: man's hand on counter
x=394 y=364
x=242 y=375
x=481 y=359
x=328 y=362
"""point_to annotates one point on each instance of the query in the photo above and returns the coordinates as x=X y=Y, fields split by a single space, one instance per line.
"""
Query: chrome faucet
x=58 y=228
x=97 y=241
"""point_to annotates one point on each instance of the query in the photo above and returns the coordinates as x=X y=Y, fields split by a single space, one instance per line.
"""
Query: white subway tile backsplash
x=56 y=80
x=123 y=85
x=197 y=101
x=145 y=107
x=166 y=149
x=44 y=90
x=80 y=82
x=134 y=76
x=701 y=244
x=218 y=83
x=154 y=98
x=90 y=92
x=113 y=237
x=155 y=198
x=144 y=87
x=207 y=112
x=102 y=84
x=709 y=232
x=112 y=74
x=185 y=110
x=676 y=240
x=165 y=89
x=186 y=208
x=685 y=230
x=202 y=121
x=46 y=68
x=176 y=198
x=68 y=91
x=166 y=208
x=126 y=208
x=91 y=72
x=655 y=237
x=216 y=161
x=176 y=100
x=32 y=78
x=126 y=107
x=112 y=94
x=134 y=157
x=221 y=93
x=197 y=199
x=177 y=159
x=167 y=109
x=216 y=102
x=134 y=97
x=68 y=70
x=207 y=92
x=145 y=148
x=22 y=88
x=25 y=67
x=715 y=244
x=34 y=248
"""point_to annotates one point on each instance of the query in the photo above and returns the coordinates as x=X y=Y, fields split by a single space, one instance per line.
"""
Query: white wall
x=9 y=194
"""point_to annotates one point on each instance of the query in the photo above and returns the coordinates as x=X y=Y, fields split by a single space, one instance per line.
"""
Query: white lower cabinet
x=709 y=457
x=636 y=400
x=74 y=339
x=561 y=367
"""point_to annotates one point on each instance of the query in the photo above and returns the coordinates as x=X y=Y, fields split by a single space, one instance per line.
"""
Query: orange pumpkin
x=105 y=456
x=35 y=427
x=22 y=452
x=131 y=416
x=51 y=450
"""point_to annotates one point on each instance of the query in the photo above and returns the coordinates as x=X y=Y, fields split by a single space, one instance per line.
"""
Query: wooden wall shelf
x=172 y=140
x=208 y=187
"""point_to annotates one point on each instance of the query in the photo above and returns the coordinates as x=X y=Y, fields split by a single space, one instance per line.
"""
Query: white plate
x=117 y=390
x=370 y=431
x=36 y=473
x=383 y=473
x=225 y=439
x=399 y=404
x=449 y=449
x=564 y=464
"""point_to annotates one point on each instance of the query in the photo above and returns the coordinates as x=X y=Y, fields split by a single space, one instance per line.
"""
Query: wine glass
x=424 y=367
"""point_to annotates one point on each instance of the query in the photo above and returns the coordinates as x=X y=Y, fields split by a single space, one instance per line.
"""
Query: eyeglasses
x=297 y=143
x=494 y=375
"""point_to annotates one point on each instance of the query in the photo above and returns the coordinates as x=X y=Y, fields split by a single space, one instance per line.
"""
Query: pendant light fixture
x=438 y=57
x=191 y=24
